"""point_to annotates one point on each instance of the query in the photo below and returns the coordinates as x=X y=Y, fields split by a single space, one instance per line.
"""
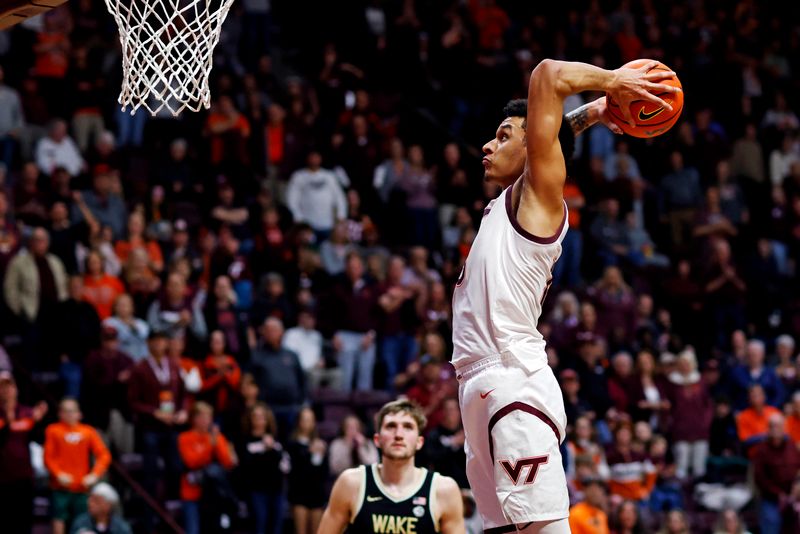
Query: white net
x=167 y=51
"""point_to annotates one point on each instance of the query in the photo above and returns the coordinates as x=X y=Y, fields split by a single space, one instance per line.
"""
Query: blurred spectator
x=59 y=150
x=397 y=319
x=419 y=186
x=589 y=516
x=176 y=312
x=668 y=492
x=307 y=342
x=432 y=389
x=609 y=233
x=84 y=84
x=189 y=369
x=76 y=458
x=351 y=310
x=100 y=289
x=616 y=306
x=102 y=513
x=781 y=159
x=621 y=165
x=754 y=370
x=221 y=314
x=260 y=452
x=793 y=419
x=680 y=194
x=392 y=171
x=627 y=519
x=648 y=391
x=725 y=290
x=227 y=130
x=583 y=444
x=136 y=240
x=632 y=474
x=156 y=398
x=308 y=474
x=567 y=271
x=12 y=120
x=729 y=522
x=575 y=405
x=279 y=375
x=351 y=448
x=206 y=455
x=620 y=380
x=131 y=331
x=17 y=422
x=315 y=197
x=790 y=518
x=752 y=423
x=776 y=463
x=747 y=158
x=106 y=372
x=221 y=374
x=334 y=250
x=444 y=445
x=35 y=282
x=688 y=394
x=676 y=522
x=105 y=205
x=77 y=332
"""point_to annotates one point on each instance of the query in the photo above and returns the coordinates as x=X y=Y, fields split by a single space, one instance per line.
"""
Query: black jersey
x=381 y=514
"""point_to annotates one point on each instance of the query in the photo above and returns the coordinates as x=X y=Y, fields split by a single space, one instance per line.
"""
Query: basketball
x=651 y=119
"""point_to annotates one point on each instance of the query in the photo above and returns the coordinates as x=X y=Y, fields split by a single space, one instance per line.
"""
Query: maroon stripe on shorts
x=505 y=410
x=502 y=530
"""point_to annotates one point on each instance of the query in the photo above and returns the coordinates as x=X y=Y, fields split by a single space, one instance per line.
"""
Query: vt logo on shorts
x=515 y=470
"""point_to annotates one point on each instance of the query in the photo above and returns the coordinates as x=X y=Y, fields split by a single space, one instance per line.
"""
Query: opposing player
x=394 y=497
x=511 y=404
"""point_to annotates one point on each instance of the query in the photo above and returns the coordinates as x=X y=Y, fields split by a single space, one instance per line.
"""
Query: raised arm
x=551 y=82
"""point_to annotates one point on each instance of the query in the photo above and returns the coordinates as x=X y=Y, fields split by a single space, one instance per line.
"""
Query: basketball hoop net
x=167 y=51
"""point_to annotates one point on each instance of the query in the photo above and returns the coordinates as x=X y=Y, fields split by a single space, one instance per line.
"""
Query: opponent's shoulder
x=445 y=487
x=351 y=479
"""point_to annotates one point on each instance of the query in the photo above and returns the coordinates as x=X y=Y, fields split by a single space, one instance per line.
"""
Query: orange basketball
x=651 y=119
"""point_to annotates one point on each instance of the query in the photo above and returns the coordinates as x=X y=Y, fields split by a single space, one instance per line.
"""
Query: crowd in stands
x=216 y=304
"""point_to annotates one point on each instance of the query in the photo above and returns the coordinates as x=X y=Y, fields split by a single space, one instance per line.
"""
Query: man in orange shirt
x=200 y=448
x=76 y=458
x=589 y=516
x=752 y=423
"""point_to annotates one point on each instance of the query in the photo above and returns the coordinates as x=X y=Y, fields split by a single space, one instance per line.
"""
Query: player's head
x=506 y=153
x=399 y=426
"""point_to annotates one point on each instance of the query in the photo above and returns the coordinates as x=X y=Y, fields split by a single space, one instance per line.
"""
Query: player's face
x=506 y=153
x=398 y=437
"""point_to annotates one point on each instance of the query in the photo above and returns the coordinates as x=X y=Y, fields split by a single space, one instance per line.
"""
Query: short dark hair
x=402 y=406
x=517 y=108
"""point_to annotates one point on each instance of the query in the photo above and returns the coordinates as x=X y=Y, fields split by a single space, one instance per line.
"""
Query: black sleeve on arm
x=567 y=139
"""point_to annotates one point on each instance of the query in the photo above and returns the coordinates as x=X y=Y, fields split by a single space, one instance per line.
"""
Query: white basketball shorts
x=514 y=422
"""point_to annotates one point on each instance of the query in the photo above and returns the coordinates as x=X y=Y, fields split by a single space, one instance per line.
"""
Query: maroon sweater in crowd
x=15 y=457
x=146 y=394
x=353 y=306
x=691 y=411
x=775 y=466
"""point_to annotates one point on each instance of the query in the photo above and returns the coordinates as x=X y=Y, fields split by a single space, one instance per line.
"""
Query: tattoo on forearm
x=579 y=119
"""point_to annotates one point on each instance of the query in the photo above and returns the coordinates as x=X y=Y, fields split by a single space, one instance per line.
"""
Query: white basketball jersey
x=498 y=298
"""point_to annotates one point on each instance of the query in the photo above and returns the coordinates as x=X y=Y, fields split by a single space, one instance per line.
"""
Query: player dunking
x=511 y=403
x=394 y=497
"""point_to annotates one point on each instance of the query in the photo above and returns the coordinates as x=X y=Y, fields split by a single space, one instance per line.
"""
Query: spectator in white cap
x=102 y=514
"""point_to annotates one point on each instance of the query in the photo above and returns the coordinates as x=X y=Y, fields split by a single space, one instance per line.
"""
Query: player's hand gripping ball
x=651 y=118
